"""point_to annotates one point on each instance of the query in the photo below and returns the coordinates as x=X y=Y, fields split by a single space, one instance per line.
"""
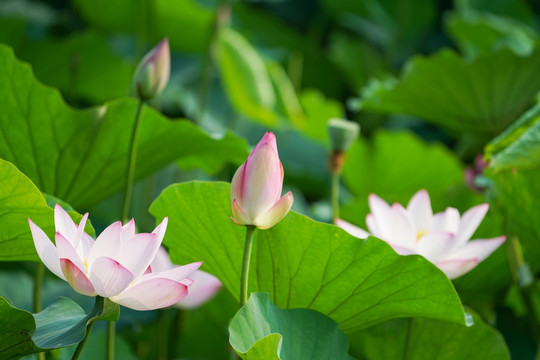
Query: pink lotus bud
x=256 y=187
x=152 y=73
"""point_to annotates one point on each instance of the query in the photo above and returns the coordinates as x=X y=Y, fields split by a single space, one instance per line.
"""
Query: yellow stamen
x=420 y=234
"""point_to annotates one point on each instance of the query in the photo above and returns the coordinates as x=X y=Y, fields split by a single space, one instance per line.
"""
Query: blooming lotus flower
x=153 y=71
x=256 y=187
x=115 y=265
x=442 y=238
x=204 y=287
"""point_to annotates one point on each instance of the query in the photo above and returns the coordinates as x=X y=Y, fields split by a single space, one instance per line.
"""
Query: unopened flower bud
x=153 y=71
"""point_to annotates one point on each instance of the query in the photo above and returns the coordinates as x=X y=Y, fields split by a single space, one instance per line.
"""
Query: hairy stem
x=131 y=162
x=244 y=280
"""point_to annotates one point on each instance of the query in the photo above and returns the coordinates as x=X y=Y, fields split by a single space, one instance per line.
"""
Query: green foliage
x=62 y=323
x=261 y=330
x=151 y=21
x=514 y=169
x=482 y=96
x=304 y=263
x=81 y=156
x=245 y=77
x=395 y=166
x=21 y=200
x=427 y=339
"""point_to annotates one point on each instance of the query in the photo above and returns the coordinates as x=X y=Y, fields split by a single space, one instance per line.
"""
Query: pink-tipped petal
x=237 y=184
x=204 y=287
x=455 y=268
x=46 y=250
x=160 y=229
x=76 y=278
x=138 y=253
x=435 y=245
x=155 y=293
x=239 y=216
x=127 y=231
x=381 y=214
x=420 y=209
x=177 y=273
x=402 y=231
x=478 y=249
x=276 y=213
x=107 y=244
x=447 y=221
x=65 y=250
x=352 y=229
x=469 y=223
x=108 y=277
x=63 y=223
x=262 y=178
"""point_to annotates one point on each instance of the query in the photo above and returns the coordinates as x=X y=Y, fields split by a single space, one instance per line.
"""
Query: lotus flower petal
x=455 y=268
x=276 y=213
x=204 y=287
x=351 y=229
x=76 y=278
x=150 y=294
x=46 y=250
x=469 y=222
x=419 y=208
x=108 y=277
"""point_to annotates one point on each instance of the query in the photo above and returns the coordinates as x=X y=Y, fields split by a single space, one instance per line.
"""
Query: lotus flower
x=256 y=187
x=153 y=71
x=115 y=265
x=204 y=287
x=442 y=238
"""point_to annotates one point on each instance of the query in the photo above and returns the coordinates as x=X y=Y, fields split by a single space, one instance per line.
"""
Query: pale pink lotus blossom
x=205 y=286
x=152 y=72
x=256 y=187
x=442 y=238
x=115 y=265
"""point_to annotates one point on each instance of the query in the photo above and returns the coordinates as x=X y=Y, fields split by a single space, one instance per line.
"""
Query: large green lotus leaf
x=482 y=32
x=289 y=334
x=62 y=323
x=81 y=156
x=82 y=66
x=151 y=21
x=395 y=166
x=428 y=339
x=515 y=170
x=245 y=77
x=20 y=200
x=304 y=263
x=482 y=96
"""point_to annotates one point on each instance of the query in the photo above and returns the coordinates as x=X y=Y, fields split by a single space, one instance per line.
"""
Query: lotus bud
x=342 y=133
x=256 y=187
x=153 y=71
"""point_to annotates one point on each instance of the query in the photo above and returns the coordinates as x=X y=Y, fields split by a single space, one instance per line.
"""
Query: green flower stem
x=38 y=281
x=162 y=346
x=524 y=279
x=244 y=280
x=80 y=347
x=335 y=195
x=132 y=162
x=110 y=339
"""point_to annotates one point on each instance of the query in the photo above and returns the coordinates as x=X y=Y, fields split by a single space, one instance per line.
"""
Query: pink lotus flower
x=115 y=265
x=256 y=187
x=205 y=286
x=153 y=71
x=442 y=238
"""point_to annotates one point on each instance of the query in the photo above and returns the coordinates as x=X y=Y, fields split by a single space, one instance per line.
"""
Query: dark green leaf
x=81 y=156
x=427 y=339
x=482 y=96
